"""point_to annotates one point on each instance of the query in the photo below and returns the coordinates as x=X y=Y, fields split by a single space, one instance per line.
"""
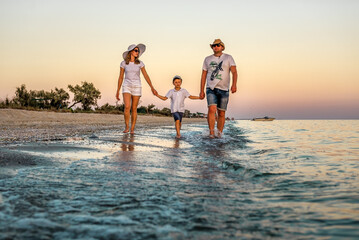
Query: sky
x=296 y=59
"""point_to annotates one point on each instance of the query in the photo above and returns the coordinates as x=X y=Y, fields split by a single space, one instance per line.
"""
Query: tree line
x=85 y=95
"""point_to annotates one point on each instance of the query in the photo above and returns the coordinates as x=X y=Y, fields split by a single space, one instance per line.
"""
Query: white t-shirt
x=218 y=71
x=177 y=99
x=132 y=73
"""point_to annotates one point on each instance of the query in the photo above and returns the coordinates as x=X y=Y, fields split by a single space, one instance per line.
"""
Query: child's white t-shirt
x=218 y=71
x=132 y=73
x=177 y=99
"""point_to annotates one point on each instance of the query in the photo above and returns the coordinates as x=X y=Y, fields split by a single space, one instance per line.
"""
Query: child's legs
x=178 y=127
x=178 y=122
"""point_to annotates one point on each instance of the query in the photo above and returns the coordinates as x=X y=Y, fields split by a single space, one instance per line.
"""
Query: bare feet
x=178 y=136
x=125 y=131
x=211 y=133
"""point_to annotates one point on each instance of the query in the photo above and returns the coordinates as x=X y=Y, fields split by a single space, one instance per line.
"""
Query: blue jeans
x=217 y=97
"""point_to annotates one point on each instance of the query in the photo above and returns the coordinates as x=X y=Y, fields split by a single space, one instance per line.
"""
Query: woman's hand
x=154 y=91
x=201 y=95
x=118 y=95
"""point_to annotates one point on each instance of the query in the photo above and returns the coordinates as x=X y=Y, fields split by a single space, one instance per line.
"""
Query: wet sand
x=20 y=126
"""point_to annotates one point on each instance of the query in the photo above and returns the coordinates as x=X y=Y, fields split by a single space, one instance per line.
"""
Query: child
x=177 y=96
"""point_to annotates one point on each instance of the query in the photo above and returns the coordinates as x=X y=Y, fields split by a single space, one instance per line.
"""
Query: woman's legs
x=135 y=100
x=127 y=102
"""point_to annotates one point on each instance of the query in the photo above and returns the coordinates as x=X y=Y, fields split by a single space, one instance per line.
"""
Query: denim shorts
x=217 y=97
x=177 y=116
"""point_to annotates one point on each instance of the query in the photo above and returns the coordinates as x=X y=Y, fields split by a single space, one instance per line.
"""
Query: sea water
x=286 y=179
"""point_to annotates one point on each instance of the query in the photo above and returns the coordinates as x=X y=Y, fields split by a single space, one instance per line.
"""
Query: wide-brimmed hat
x=217 y=41
x=140 y=47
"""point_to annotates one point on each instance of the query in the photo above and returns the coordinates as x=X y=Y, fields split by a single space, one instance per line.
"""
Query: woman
x=130 y=81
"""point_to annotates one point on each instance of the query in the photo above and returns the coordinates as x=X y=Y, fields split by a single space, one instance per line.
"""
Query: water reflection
x=127 y=142
x=176 y=143
x=126 y=158
x=205 y=171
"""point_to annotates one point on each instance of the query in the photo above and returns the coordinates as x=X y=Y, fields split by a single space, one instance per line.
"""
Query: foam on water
x=283 y=179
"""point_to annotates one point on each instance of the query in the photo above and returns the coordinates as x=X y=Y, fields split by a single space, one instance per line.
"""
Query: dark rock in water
x=93 y=136
x=10 y=158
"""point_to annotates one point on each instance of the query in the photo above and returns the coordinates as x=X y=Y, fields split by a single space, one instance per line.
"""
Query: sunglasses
x=136 y=50
x=216 y=45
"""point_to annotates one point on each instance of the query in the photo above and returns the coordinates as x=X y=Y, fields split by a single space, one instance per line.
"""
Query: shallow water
x=280 y=179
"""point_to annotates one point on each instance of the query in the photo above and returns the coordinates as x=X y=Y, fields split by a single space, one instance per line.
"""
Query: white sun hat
x=140 y=47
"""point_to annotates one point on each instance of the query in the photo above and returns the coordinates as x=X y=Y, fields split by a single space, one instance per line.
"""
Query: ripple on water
x=258 y=181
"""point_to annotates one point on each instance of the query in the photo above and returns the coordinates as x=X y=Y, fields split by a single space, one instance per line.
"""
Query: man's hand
x=234 y=88
x=202 y=95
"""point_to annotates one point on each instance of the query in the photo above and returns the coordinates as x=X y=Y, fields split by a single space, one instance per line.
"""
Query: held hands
x=154 y=92
x=202 y=95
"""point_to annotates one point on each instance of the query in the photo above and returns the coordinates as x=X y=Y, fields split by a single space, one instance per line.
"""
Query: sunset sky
x=296 y=59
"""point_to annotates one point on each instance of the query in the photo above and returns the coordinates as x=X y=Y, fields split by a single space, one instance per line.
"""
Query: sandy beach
x=21 y=126
x=24 y=126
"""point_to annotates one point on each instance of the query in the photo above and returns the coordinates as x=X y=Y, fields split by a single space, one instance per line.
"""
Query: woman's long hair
x=128 y=58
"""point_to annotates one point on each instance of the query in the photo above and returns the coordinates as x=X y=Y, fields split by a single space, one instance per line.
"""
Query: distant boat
x=263 y=119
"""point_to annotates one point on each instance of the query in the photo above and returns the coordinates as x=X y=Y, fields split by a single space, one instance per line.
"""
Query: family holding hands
x=215 y=76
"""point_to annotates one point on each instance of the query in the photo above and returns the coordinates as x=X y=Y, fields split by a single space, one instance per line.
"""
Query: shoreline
x=24 y=126
x=31 y=126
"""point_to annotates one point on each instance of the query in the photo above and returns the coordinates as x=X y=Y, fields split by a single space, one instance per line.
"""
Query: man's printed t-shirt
x=218 y=71
x=177 y=99
x=132 y=73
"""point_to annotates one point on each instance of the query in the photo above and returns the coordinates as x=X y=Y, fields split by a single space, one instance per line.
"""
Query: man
x=216 y=72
